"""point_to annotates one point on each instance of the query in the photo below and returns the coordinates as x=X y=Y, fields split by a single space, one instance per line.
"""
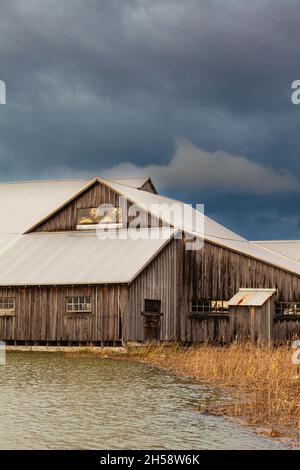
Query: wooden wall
x=217 y=273
x=286 y=328
x=210 y=328
x=253 y=323
x=175 y=277
x=66 y=218
x=41 y=314
x=148 y=186
x=161 y=280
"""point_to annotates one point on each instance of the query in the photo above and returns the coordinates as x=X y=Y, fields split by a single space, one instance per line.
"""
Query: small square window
x=79 y=304
x=152 y=306
x=7 y=306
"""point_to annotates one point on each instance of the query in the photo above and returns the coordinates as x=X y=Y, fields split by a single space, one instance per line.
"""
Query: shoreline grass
x=263 y=385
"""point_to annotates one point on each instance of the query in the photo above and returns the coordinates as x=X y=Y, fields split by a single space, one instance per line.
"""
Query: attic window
x=79 y=304
x=210 y=306
x=7 y=306
x=104 y=216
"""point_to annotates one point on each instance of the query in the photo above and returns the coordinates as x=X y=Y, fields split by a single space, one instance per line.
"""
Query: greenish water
x=50 y=401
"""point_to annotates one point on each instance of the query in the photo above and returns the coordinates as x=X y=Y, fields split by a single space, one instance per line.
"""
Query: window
x=152 y=306
x=79 y=304
x=104 y=216
x=287 y=308
x=210 y=306
x=7 y=305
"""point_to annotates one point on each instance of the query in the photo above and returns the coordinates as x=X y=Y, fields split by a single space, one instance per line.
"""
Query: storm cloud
x=218 y=171
x=100 y=85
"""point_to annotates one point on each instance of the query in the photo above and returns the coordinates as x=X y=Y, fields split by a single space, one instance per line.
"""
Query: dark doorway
x=152 y=314
x=151 y=327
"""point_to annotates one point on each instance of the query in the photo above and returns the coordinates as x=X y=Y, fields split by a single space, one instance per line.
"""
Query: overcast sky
x=195 y=93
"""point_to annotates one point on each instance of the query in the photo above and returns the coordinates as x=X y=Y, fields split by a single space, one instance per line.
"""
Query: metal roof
x=136 y=183
x=211 y=231
x=79 y=258
x=251 y=297
x=289 y=248
x=24 y=204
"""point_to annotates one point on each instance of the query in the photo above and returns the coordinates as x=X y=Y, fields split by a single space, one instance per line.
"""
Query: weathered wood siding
x=161 y=280
x=252 y=323
x=175 y=277
x=286 y=328
x=217 y=273
x=41 y=314
x=66 y=218
x=148 y=186
x=210 y=328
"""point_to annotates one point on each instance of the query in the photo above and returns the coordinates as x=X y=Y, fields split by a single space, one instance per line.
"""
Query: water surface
x=50 y=401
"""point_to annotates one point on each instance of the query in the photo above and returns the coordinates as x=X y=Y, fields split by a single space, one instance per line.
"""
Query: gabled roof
x=24 y=207
x=251 y=297
x=289 y=248
x=79 y=258
x=24 y=204
x=137 y=183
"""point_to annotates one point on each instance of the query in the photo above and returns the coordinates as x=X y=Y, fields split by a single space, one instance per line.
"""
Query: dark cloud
x=92 y=84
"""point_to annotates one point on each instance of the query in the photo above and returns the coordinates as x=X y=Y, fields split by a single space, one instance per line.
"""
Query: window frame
x=149 y=306
x=98 y=219
x=82 y=300
x=209 y=306
x=8 y=310
x=282 y=306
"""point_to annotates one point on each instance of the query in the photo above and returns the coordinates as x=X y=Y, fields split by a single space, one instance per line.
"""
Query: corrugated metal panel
x=78 y=258
x=289 y=248
x=251 y=297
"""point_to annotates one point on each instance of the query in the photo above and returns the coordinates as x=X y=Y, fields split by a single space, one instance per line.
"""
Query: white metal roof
x=78 y=258
x=289 y=248
x=136 y=183
x=211 y=231
x=23 y=204
x=251 y=297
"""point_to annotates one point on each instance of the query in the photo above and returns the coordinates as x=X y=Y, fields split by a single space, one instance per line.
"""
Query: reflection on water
x=50 y=401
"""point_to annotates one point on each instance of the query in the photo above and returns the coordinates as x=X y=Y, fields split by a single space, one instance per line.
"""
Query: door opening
x=152 y=314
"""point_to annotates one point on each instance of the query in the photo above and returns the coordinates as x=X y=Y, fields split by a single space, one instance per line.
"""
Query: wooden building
x=106 y=262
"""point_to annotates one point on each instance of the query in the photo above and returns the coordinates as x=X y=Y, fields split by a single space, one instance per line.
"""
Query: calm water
x=50 y=401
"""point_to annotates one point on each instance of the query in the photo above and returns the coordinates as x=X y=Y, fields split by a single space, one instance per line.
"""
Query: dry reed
x=264 y=384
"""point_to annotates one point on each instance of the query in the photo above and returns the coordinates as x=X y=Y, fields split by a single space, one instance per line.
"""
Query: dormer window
x=105 y=216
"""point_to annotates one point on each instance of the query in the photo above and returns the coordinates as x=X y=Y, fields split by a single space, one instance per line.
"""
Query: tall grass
x=263 y=383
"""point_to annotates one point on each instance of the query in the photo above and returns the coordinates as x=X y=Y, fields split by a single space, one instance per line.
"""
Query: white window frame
x=209 y=306
x=79 y=304
x=7 y=306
